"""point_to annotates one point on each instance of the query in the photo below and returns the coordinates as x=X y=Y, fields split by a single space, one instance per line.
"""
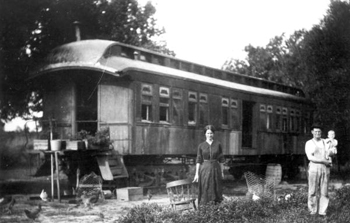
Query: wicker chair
x=180 y=192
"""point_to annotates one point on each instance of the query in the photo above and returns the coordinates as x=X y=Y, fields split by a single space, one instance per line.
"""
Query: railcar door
x=114 y=112
x=247 y=123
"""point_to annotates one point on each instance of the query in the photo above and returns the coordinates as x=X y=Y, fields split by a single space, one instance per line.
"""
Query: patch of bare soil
x=108 y=210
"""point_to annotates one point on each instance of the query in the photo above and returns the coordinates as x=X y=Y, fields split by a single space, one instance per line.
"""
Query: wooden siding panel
x=159 y=140
x=115 y=111
x=234 y=143
x=270 y=143
x=120 y=134
x=114 y=104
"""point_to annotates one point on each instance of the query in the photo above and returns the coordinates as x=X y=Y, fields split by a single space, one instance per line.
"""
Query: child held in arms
x=332 y=144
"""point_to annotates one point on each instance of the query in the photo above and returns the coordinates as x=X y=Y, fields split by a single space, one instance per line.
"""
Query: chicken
x=43 y=195
x=149 y=194
x=33 y=214
x=255 y=197
x=10 y=205
x=87 y=200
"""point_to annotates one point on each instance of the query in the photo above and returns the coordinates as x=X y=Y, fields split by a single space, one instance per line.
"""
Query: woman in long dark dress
x=209 y=172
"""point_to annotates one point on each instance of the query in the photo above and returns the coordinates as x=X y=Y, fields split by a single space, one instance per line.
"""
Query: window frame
x=164 y=105
x=225 y=107
x=147 y=103
x=192 y=102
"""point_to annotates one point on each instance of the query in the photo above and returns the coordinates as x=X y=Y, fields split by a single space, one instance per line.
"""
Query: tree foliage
x=327 y=56
x=316 y=61
x=30 y=29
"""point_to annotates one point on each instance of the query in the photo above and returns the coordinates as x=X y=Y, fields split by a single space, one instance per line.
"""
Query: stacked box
x=40 y=144
x=130 y=193
x=75 y=145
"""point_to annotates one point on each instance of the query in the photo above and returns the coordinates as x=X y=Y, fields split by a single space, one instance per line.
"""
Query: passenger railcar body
x=156 y=106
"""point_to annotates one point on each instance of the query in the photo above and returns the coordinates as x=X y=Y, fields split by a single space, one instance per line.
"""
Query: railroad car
x=156 y=106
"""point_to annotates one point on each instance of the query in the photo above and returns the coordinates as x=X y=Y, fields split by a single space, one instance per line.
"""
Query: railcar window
x=224 y=111
x=269 y=111
x=217 y=74
x=197 y=69
x=158 y=60
x=192 y=108
x=284 y=119
x=307 y=122
x=86 y=116
x=146 y=107
x=203 y=109
x=209 y=72
x=234 y=114
x=177 y=117
x=174 y=64
x=292 y=120
x=278 y=120
x=185 y=66
x=164 y=104
x=262 y=117
x=146 y=57
x=127 y=52
x=247 y=123
x=297 y=120
x=113 y=51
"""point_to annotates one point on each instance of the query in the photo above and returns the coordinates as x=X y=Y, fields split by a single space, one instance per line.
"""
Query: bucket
x=55 y=144
x=274 y=173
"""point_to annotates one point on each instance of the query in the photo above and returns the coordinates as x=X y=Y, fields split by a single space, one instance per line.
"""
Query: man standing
x=319 y=171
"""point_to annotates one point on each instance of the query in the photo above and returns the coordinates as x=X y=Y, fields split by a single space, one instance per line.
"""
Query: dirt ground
x=108 y=210
x=26 y=192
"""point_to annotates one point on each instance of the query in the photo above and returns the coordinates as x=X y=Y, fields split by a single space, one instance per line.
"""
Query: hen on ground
x=33 y=214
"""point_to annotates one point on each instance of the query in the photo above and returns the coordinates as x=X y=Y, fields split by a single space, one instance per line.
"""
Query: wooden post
x=52 y=180
x=57 y=178
x=52 y=164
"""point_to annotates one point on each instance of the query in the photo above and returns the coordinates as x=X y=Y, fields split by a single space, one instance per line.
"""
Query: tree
x=316 y=61
x=327 y=55
x=277 y=62
x=30 y=29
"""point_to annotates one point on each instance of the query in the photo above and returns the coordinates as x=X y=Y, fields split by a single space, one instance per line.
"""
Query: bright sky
x=210 y=32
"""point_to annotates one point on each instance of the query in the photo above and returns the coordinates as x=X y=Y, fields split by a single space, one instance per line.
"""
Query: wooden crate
x=130 y=194
x=75 y=145
x=40 y=144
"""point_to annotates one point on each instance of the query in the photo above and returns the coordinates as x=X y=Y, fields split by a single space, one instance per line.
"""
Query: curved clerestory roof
x=97 y=55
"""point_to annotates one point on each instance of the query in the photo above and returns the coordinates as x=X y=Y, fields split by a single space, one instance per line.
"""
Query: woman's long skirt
x=210 y=182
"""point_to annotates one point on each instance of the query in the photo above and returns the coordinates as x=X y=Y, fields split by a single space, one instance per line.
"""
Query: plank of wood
x=104 y=167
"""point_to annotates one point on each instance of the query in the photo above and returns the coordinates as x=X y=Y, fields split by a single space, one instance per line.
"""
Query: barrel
x=274 y=173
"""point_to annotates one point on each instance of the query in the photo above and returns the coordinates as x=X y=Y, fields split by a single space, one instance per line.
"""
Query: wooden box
x=75 y=145
x=41 y=144
x=130 y=194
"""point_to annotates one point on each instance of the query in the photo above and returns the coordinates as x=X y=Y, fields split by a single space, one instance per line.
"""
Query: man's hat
x=316 y=126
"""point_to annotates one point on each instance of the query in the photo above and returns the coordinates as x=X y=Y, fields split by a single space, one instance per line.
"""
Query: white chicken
x=255 y=197
x=43 y=195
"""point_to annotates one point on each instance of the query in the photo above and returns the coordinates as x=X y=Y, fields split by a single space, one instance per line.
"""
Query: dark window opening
x=146 y=102
x=247 y=123
x=86 y=116
x=146 y=112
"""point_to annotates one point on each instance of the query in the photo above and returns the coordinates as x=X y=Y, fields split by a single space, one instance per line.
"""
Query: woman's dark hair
x=209 y=127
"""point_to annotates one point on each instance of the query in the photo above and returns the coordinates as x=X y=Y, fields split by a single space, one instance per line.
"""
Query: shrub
x=264 y=210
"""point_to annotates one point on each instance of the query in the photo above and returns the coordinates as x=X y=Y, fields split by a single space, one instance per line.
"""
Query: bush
x=293 y=209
